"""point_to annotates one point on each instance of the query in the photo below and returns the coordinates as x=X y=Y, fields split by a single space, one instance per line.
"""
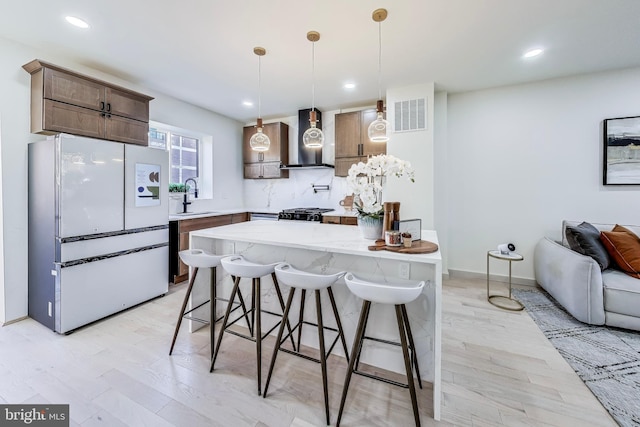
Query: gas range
x=303 y=214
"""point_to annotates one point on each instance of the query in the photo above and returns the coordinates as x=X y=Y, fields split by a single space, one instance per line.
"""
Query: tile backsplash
x=296 y=191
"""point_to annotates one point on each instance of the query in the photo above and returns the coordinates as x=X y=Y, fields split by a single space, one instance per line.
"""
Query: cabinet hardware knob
x=108 y=106
x=102 y=105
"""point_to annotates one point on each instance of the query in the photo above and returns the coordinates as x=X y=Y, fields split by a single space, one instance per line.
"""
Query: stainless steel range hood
x=308 y=158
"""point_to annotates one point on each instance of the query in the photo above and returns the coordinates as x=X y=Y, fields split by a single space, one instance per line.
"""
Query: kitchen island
x=330 y=248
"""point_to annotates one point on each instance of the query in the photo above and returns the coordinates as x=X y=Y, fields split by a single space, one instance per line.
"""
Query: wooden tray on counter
x=417 y=247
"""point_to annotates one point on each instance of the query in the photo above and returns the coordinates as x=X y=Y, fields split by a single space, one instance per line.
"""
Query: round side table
x=502 y=301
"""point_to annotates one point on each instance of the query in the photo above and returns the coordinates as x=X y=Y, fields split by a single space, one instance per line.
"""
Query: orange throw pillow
x=624 y=247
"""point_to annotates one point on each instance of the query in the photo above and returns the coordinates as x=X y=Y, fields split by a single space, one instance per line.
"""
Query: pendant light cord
x=379 y=60
x=313 y=76
x=259 y=84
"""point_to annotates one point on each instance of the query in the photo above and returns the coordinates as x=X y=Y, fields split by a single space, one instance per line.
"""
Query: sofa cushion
x=585 y=239
x=621 y=293
x=624 y=247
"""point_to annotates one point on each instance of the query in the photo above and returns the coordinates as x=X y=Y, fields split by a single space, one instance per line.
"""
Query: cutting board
x=417 y=247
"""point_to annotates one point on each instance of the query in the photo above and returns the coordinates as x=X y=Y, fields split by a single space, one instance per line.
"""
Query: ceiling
x=201 y=51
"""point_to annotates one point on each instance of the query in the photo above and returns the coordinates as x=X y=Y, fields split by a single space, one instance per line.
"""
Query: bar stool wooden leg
x=414 y=356
x=258 y=326
x=301 y=315
x=338 y=323
x=244 y=309
x=284 y=319
x=224 y=322
x=355 y=350
x=278 y=341
x=212 y=309
x=323 y=355
x=184 y=307
x=407 y=364
x=364 y=330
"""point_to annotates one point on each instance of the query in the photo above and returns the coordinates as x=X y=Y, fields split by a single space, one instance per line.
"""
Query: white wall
x=522 y=158
x=14 y=109
x=417 y=199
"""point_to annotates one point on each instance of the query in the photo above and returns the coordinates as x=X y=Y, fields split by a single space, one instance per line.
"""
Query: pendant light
x=313 y=137
x=259 y=141
x=379 y=129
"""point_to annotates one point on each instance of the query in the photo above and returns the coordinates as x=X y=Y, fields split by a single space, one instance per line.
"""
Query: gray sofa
x=608 y=297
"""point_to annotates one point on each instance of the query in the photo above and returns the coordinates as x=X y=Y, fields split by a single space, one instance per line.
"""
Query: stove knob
x=281 y=215
x=316 y=217
x=288 y=216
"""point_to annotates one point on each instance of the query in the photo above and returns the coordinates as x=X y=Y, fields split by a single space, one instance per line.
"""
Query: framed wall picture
x=413 y=226
x=621 y=161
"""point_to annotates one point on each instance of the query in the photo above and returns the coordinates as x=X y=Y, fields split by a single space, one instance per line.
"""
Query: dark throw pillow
x=585 y=239
x=624 y=247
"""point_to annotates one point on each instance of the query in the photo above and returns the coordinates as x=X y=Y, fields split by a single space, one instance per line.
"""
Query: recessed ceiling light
x=76 y=21
x=533 y=52
x=247 y=103
x=349 y=85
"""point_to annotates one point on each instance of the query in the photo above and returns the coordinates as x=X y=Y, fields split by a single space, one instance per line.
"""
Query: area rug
x=606 y=359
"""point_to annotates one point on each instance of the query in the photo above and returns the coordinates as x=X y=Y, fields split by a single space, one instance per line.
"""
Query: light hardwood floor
x=498 y=369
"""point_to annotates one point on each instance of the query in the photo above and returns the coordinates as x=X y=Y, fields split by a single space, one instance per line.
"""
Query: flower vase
x=370 y=227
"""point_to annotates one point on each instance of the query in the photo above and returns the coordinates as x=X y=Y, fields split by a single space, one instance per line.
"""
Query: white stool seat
x=382 y=293
x=200 y=259
x=237 y=265
x=304 y=280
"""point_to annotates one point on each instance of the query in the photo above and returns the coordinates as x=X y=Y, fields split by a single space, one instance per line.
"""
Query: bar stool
x=237 y=266
x=384 y=294
x=297 y=279
x=197 y=259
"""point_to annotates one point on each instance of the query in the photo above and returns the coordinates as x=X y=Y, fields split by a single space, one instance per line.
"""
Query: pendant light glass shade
x=259 y=141
x=313 y=137
x=380 y=128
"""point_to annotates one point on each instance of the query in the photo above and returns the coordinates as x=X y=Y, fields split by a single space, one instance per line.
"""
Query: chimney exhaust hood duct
x=308 y=158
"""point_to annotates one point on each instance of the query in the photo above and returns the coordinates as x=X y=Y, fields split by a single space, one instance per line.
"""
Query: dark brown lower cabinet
x=179 y=239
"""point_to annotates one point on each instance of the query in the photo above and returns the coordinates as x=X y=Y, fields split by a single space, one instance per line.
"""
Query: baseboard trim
x=15 y=320
x=493 y=277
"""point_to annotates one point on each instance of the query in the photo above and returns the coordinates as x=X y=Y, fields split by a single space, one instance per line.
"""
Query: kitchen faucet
x=186 y=202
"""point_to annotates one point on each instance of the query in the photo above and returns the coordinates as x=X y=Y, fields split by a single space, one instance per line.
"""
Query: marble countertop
x=342 y=212
x=219 y=212
x=332 y=238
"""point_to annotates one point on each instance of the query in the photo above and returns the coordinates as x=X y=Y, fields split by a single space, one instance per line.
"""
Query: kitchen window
x=184 y=153
x=186 y=149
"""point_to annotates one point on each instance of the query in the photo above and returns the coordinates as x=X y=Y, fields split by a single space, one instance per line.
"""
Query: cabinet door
x=347 y=135
x=239 y=217
x=59 y=117
x=183 y=269
x=126 y=104
x=248 y=155
x=330 y=219
x=349 y=220
x=343 y=164
x=252 y=170
x=370 y=148
x=122 y=129
x=278 y=151
x=71 y=89
x=272 y=170
x=278 y=133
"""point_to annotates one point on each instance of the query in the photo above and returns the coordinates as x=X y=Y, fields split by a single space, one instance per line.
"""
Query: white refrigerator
x=98 y=229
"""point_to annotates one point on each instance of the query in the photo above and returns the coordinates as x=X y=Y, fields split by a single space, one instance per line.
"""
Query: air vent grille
x=410 y=115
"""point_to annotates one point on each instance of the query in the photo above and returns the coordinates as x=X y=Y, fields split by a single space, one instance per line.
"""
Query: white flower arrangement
x=366 y=181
